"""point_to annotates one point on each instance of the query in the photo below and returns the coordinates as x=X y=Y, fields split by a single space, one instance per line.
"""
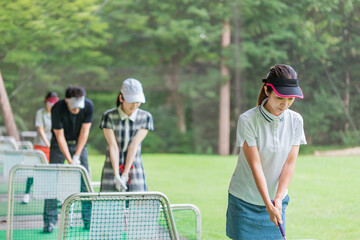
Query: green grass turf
x=34 y=207
x=38 y=234
x=3 y=187
x=323 y=193
x=325 y=198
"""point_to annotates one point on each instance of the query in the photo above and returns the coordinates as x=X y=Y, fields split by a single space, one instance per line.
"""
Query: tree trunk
x=239 y=92
x=347 y=96
x=180 y=112
x=239 y=82
x=7 y=112
x=176 y=97
x=224 y=105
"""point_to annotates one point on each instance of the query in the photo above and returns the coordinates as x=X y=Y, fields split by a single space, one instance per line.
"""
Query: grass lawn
x=323 y=194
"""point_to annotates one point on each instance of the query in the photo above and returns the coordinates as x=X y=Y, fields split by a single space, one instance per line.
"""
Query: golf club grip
x=280 y=225
x=282 y=230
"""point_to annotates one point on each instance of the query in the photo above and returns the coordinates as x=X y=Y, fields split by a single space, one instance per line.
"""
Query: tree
x=171 y=36
x=224 y=103
x=47 y=40
x=7 y=112
x=327 y=57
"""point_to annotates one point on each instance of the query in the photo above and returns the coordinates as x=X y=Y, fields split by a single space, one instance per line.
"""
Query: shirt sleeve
x=148 y=122
x=56 y=122
x=39 y=122
x=299 y=137
x=245 y=132
x=106 y=121
x=88 y=112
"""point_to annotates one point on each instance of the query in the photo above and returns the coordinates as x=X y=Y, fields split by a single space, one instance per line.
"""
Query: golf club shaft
x=282 y=231
x=280 y=225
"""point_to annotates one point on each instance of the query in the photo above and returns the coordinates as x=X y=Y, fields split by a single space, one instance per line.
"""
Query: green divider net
x=118 y=218
x=47 y=187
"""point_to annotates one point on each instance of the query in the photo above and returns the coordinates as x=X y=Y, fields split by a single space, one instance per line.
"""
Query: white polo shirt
x=273 y=136
x=43 y=119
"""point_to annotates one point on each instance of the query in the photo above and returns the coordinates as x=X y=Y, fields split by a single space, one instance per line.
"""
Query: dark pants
x=29 y=183
x=51 y=205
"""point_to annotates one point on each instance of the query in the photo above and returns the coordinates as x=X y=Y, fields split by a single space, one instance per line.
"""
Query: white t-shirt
x=274 y=137
x=43 y=119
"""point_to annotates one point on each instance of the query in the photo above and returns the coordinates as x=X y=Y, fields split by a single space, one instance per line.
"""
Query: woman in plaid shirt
x=125 y=127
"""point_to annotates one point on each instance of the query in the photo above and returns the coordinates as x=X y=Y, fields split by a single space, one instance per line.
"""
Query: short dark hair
x=50 y=94
x=75 y=92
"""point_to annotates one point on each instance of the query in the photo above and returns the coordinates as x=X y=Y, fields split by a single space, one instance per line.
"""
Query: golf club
x=280 y=225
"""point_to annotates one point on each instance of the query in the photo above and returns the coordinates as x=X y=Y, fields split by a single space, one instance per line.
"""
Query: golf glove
x=76 y=160
x=125 y=178
x=120 y=185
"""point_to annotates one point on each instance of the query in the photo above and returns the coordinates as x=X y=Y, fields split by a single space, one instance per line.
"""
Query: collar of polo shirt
x=124 y=116
x=268 y=116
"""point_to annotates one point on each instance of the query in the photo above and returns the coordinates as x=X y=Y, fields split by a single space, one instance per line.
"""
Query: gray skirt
x=245 y=221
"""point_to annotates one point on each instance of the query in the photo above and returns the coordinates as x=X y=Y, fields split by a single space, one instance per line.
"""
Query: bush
x=350 y=138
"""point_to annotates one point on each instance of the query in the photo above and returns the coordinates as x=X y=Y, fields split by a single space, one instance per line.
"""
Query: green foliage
x=53 y=31
x=320 y=122
x=351 y=138
x=170 y=30
x=45 y=42
x=102 y=101
x=153 y=143
x=165 y=138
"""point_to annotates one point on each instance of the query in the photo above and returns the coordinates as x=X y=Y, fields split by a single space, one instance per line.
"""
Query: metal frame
x=7 y=165
x=25 y=145
x=122 y=196
x=9 y=142
x=27 y=152
x=44 y=158
x=196 y=210
x=11 y=138
x=23 y=154
x=52 y=167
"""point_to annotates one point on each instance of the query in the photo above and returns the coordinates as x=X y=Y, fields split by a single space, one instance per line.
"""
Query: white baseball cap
x=76 y=102
x=132 y=91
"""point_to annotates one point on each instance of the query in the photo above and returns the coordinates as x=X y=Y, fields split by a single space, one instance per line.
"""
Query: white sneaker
x=26 y=198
